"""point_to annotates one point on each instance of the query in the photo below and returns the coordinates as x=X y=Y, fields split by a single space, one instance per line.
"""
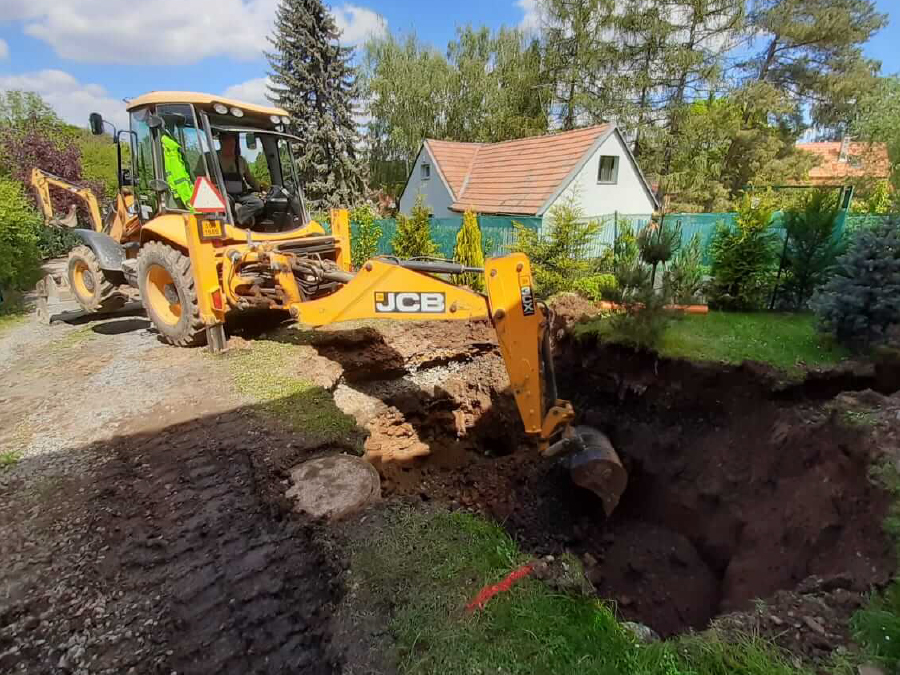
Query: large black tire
x=92 y=289
x=169 y=294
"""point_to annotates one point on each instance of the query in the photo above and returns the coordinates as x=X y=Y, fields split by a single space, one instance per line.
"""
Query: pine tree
x=861 y=302
x=469 y=251
x=313 y=80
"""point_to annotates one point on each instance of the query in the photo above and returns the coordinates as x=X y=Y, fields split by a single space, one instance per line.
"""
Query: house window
x=426 y=171
x=609 y=169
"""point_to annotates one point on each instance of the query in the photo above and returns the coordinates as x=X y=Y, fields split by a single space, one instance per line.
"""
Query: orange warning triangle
x=206 y=198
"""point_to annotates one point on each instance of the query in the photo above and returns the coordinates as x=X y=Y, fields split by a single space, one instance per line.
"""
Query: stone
x=334 y=487
x=814 y=625
x=870 y=670
x=643 y=633
x=589 y=560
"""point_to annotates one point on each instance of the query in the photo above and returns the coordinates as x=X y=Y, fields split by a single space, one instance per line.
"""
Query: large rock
x=334 y=487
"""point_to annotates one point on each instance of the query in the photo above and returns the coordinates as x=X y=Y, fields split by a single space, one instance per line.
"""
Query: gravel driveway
x=137 y=528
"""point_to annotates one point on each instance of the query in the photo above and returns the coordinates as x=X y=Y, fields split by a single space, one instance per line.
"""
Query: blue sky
x=85 y=55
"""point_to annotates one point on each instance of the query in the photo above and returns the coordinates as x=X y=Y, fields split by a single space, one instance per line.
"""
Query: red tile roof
x=512 y=177
x=873 y=161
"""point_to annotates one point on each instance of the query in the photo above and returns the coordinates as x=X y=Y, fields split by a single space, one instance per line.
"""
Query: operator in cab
x=240 y=184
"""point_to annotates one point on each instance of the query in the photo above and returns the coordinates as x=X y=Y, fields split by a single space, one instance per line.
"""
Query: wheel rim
x=162 y=295
x=82 y=280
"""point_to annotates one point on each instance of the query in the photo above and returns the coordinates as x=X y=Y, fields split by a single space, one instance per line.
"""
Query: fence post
x=615 y=233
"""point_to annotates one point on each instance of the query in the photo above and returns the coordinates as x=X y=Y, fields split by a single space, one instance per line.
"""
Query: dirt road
x=135 y=533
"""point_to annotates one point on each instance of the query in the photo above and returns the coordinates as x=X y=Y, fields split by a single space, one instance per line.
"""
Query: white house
x=526 y=177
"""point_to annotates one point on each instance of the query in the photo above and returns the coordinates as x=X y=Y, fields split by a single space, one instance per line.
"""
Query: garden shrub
x=413 y=236
x=19 y=257
x=862 y=300
x=684 y=280
x=364 y=243
x=812 y=247
x=468 y=252
x=657 y=243
x=558 y=255
x=55 y=242
x=743 y=257
x=597 y=287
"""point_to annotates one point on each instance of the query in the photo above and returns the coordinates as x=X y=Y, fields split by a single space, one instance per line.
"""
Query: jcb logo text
x=409 y=303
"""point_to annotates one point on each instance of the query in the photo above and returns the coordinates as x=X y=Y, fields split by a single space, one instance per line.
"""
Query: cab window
x=180 y=123
x=142 y=164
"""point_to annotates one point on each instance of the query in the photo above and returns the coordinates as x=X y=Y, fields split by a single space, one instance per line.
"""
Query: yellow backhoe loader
x=200 y=251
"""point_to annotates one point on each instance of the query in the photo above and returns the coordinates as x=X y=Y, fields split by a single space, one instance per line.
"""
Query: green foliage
x=364 y=244
x=685 y=277
x=55 y=242
x=413 y=236
x=19 y=255
x=877 y=121
x=743 y=257
x=862 y=300
x=426 y=566
x=557 y=255
x=657 y=244
x=812 y=247
x=875 y=199
x=9 y=459
x=597 y=287
x=468 y=252
x=260 y=170
x=99 y=163
x=488 y=87
x=877 y=627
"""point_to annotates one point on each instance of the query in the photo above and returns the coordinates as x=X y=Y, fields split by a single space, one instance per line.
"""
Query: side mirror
x=96 y=122
x=251 y=141
x=125 y=177
x=159 y=186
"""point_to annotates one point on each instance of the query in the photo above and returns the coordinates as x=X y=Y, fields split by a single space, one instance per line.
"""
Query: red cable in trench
x=488 y=592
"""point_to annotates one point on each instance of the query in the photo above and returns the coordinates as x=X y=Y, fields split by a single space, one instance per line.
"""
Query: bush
x=557 y=256
x=468 y=252
x=812 y=247
x=862 y=300
x=684 y=279
x=743 y=257
x=413 y=236
x=364 y=243
x=55 y=242
x=597 y=287
x=20 y=260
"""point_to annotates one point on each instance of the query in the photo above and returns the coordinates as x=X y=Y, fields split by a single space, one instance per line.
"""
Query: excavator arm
x=41 y=182
x=407 y=290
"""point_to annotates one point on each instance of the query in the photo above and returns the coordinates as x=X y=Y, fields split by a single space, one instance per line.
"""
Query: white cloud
x=72 y=100
x=251 y=91
x=531 y=22
x=4 y=50
x=358 y=24
x=166 y=31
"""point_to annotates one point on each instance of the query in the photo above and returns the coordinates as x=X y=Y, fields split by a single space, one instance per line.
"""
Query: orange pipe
x=687 y=309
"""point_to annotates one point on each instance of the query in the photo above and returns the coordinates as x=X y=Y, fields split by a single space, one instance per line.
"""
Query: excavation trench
x=740 y=486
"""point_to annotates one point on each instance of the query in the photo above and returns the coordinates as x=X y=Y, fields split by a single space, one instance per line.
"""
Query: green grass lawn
x=786 y=341
x=428 y=566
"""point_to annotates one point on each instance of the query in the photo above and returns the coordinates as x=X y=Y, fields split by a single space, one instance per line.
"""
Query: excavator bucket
x=54 y=297
x=595 y=465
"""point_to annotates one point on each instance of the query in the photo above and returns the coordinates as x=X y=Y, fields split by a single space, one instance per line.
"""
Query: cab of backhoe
x=257 y=169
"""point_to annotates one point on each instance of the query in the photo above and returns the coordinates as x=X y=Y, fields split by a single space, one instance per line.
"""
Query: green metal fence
x=499 y=232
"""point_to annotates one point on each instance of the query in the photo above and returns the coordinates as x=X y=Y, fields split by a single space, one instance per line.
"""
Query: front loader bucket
x=54 y=298
x=596 y=466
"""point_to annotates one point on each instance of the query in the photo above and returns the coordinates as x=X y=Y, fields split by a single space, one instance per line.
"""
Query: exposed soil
x=741 y=484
